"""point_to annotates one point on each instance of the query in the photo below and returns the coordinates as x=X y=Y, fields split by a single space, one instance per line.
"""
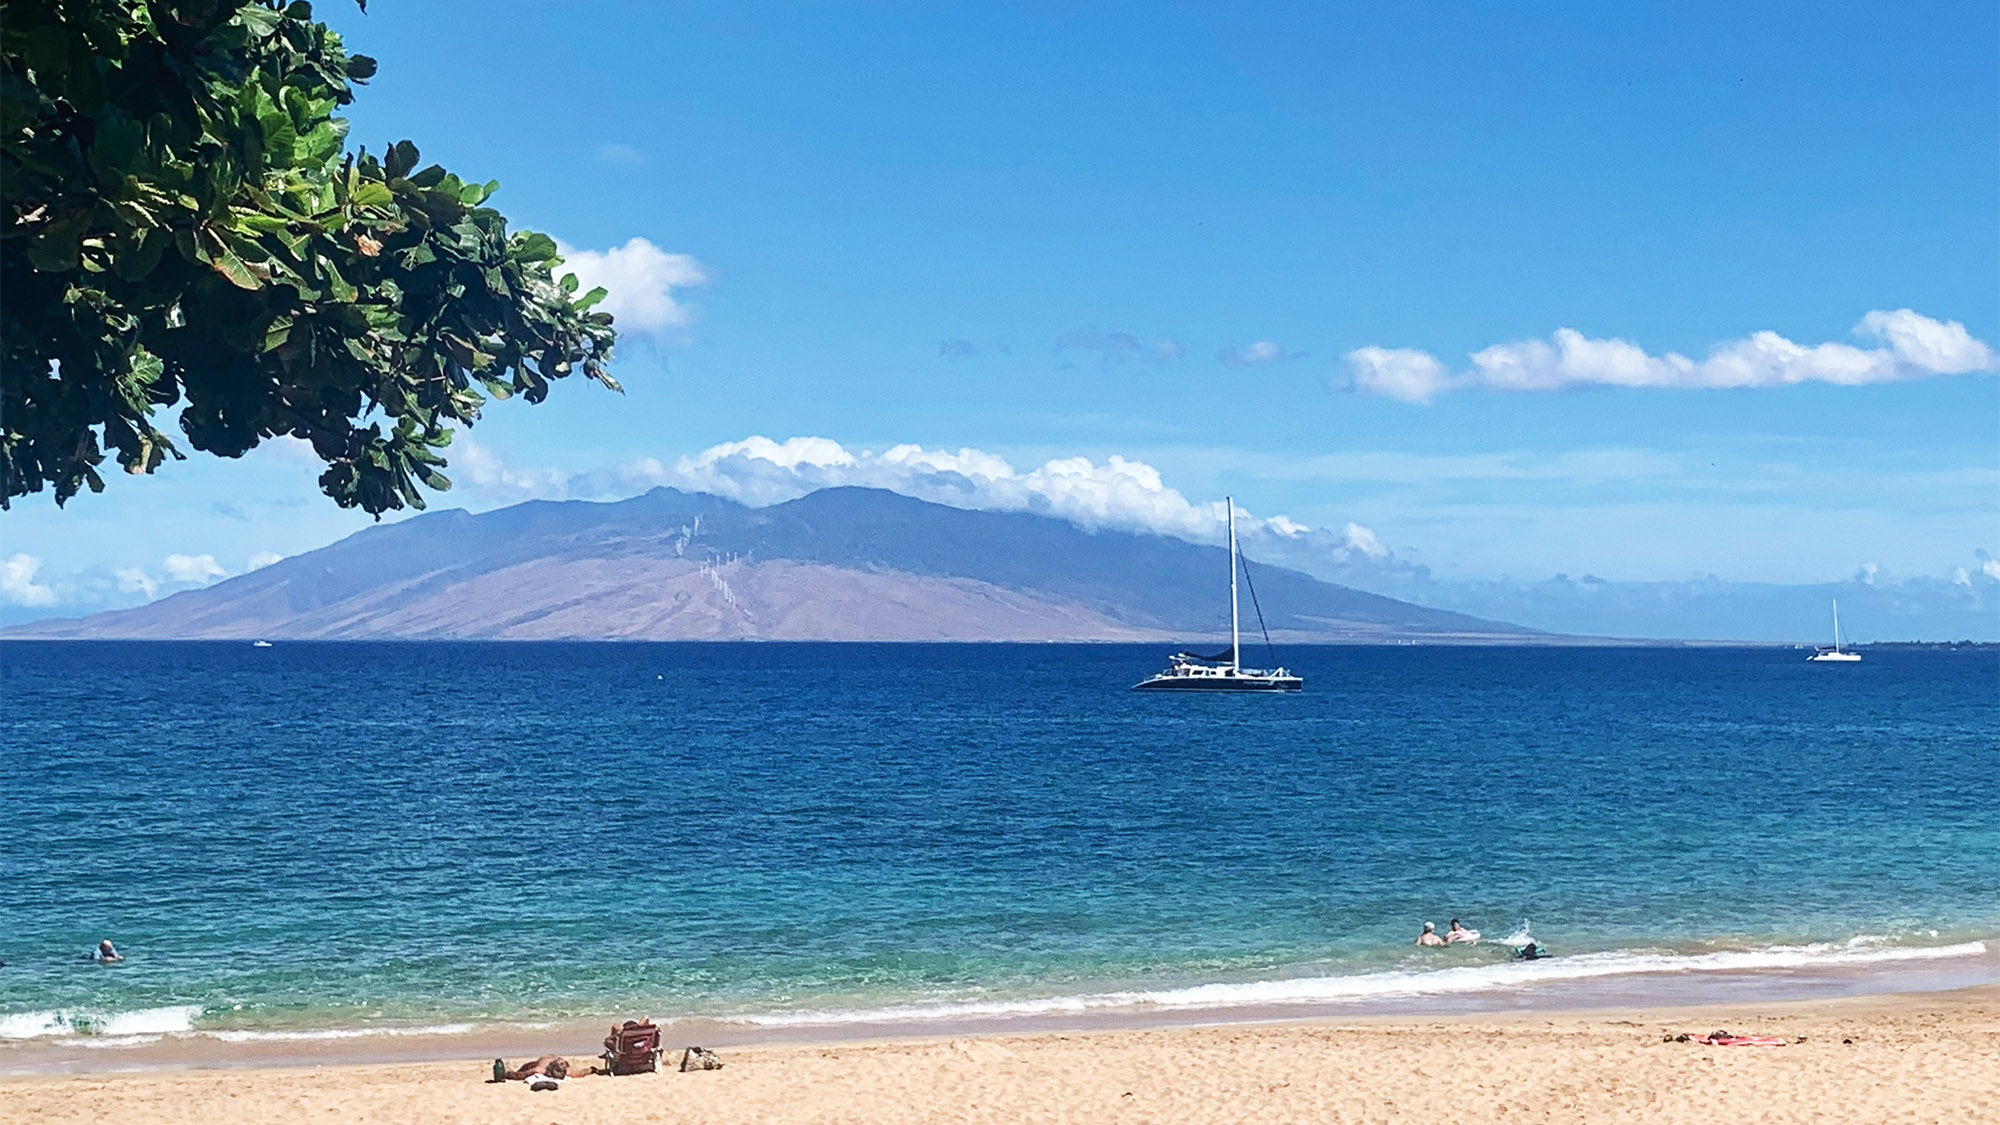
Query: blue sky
x=1247 y=251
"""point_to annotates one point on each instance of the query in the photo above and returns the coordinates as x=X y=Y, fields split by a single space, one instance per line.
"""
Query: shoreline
x=1900 y=1056
x=447 y=1039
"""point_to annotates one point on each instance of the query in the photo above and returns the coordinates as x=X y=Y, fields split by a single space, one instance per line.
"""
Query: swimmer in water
x=1430 y=935
x=107 y=952
x=1458 y=933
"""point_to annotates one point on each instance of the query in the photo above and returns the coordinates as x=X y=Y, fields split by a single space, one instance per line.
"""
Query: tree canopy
x=186 y=229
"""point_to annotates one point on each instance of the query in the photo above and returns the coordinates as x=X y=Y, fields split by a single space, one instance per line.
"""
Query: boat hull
x=1220 y=683
x=1835 y=658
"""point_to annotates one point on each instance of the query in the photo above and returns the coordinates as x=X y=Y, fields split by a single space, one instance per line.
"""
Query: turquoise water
x=319 y=838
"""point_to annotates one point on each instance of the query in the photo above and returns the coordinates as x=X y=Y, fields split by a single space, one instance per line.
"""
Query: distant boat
x=260 y=644
x=1832 y=655
x=1224 y=671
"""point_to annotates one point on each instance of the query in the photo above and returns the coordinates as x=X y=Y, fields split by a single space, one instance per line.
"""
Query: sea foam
x=139 y=1021
x=309 y=1034
x=1398 y=983
x=149 y=1025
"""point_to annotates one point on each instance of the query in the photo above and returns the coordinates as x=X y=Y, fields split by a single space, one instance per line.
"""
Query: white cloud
x=133 y=580
x=760 y=471
x=1401 y=373
x=1257 y=354
x=1362 y=541
x=262 y=559
x=479 y=468
x=284 y=447
x=1929 y=345
x=190 y=570
x=1990 y=568
x=639 y=280
x=18 y=585
x=1912 y=346
x=968 y=462
x=1117 y=493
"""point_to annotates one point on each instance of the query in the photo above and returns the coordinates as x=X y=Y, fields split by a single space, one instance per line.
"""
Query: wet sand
x=1907 y=1057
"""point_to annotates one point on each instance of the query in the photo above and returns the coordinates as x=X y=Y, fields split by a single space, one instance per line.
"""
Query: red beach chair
x=633 y=1048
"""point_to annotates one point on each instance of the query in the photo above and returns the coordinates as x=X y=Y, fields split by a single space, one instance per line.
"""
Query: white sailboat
x=1224 y=671
x=1834 y=655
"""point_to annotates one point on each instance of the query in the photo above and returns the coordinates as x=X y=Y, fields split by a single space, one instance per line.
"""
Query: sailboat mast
x=1235 y=628
x=1836 y=624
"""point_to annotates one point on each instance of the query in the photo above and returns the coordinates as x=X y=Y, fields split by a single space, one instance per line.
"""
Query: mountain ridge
x=837 y=564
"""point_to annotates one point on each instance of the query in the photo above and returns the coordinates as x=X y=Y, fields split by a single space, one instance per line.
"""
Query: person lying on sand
x=1430 y=935
x=107 y=953
x=552 y=1066
x=1458 y=933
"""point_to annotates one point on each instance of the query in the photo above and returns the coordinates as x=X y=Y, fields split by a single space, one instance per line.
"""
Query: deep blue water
x=341 y=835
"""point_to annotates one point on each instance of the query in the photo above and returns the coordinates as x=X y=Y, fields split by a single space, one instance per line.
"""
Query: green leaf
x=235 y=271
x=259 y=22
x=338 y=287
x=322 y=142
x=137 y=263
x=132 y=217
x=402 y=157
x=58 y=246
x=250 y=222
x=534 y=246
x=117 y=144
x=371 y=194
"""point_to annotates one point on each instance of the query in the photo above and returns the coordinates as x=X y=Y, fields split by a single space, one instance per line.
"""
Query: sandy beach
x=1913 y=1057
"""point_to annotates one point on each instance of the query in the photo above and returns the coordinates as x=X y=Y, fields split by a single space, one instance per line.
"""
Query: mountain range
x=838 y=564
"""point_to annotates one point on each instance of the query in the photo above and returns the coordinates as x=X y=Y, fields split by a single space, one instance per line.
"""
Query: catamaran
x=1224 y=671
x=1834 y=653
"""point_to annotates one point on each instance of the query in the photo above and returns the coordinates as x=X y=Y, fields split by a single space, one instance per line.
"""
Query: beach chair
x=633 y=1048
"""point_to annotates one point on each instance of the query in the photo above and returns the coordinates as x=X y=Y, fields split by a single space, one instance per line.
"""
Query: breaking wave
x=139 y=1021
x=1863 y=950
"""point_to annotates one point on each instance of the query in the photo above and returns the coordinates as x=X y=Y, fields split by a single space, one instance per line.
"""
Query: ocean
x=321 y=840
